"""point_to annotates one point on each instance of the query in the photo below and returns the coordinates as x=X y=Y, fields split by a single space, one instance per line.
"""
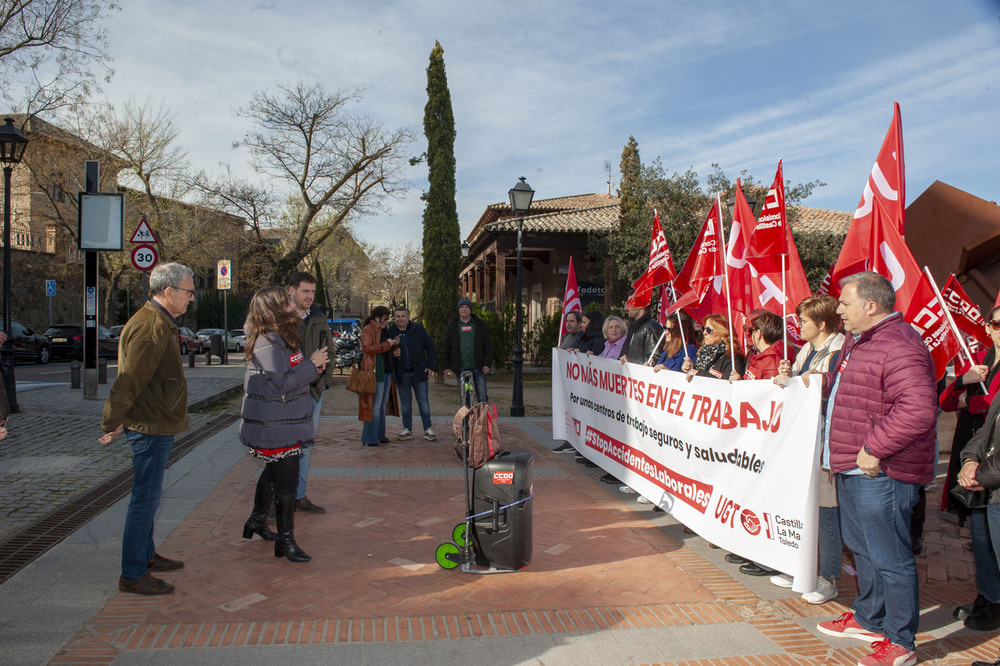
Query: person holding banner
x=614 y=337
x=592 y=341
x=765 y=332
x=971 y=395
x=574 y=331
x=719 y=355
x=819 y=324
x=674 y=350
x=880 y=441
x=643 y=333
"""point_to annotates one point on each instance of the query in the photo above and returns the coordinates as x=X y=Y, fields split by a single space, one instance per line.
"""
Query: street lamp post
x=12 y=145
x=520 y=202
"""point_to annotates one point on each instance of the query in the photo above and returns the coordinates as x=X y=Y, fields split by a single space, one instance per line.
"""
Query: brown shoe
x=160 y=563
x=148 y=584
x=305 y=504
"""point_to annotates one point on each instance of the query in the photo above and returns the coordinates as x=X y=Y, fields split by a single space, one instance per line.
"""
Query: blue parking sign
x=50 y=287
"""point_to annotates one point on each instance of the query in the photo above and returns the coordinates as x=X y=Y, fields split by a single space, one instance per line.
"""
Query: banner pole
x=725 y=279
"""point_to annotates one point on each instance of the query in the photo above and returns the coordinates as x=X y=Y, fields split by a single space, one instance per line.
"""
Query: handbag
x=361 y=381
x=971 y=499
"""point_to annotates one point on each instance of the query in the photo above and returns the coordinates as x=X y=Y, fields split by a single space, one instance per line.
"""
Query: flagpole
x=784 y=309
x=725 y=278
x=680 y=326
x=951 y=323
x=663 y=334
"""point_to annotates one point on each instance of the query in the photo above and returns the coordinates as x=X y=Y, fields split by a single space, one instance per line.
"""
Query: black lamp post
x=465 y=249
x=732 y=205
x=12 y=145
x=520 y=202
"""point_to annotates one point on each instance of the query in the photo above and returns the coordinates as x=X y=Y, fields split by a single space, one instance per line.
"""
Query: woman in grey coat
x=277 y=412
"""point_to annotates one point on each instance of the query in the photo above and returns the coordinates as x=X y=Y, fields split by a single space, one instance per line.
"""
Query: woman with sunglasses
x=674 y=349
x=718 y=352
x=967 y=396
x=277 y=412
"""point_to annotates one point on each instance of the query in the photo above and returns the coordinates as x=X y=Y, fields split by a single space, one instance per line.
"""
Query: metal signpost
x=50 y=291
x=224 y=281
x=100 y=228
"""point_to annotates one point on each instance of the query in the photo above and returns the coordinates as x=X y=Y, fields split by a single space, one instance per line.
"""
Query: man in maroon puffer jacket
x=880 y=442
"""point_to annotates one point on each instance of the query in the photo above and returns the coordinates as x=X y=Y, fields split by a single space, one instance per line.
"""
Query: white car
x=237 y=340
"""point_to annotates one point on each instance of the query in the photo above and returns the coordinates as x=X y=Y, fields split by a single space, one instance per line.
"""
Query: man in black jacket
x=467 y=346
x=315 y=333
x=413 y=365
x=643 y=334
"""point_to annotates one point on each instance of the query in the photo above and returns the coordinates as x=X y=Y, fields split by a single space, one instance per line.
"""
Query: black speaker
x=502 y=537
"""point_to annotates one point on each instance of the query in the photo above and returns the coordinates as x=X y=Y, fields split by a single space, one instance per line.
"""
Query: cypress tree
x=442 y=235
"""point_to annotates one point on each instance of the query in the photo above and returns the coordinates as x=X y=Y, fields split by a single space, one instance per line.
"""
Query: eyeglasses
x=995 y=325
x=749 y=330
x=190 y=291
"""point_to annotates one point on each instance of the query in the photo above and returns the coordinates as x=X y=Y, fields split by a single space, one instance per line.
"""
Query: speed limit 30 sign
x=144 y=257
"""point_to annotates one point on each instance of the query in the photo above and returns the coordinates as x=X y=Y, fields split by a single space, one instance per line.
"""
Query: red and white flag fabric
x=571 y=299
x=666 y=300
x=741 y=272
x=968 y=318
x=926 y=315
x=660 y=269
x=891 y=258
x=770 y=237
x=703 y=265
x=884 y=193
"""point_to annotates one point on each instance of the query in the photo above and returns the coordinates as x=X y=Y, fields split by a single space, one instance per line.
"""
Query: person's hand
x=868 y=463
x=963 y=401
x=781 y=378
x=429 y=373
x=590 y=353
x=320 y=358
x=486 y=369
x=967 y=476
x=975 y=374
x=111 y=436
x=784 y=367
x=658 y=367
x=691 y=374
x=688 y=365
x=809 y=373
x=623 y=359
x=394 y=341
x=3 y=433
x=397 y=352
x=734 y=377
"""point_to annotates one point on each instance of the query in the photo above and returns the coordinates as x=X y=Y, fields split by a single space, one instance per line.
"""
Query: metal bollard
x=74 y=375
x=191 y=356
x=208 y=357
x=102 y=371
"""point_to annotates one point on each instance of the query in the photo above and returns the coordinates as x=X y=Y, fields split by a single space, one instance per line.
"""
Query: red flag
x=769 y=239
x=704 y=263
x=886 y=187
x=571 y=299
x=661 y=264
x=740 y=270
x=967 y=316
x=927 y=317
x=891 y=258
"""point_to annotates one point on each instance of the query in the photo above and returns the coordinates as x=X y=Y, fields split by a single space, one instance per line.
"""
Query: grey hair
x=873 y=287
x=167 y=275
x=608 y=320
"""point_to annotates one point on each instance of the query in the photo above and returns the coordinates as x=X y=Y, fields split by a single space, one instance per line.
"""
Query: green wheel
x=447 y=555
x=460 y=535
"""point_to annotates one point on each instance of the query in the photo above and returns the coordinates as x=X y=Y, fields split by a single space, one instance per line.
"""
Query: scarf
x=709 y=354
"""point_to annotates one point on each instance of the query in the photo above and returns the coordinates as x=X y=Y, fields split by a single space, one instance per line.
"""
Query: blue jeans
x=374 y=430
x=875 y=523
x=479 y=379
x=149 y=460
x=830 y=544
x=406 y=381
x=985 y=554
x=307 y=448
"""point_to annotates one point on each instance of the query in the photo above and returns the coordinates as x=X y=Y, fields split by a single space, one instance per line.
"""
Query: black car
x=29 y=345
x=67 y=341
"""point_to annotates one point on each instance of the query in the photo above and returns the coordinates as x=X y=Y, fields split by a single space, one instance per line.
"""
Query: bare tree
x=393 y=275
x=337 y=164
x=53 y=51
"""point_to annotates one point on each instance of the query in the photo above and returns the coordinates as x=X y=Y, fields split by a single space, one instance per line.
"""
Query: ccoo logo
x=503 y=478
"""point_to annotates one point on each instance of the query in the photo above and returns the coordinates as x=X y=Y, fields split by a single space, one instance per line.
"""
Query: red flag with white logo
x=740 y=270
x=769 y=240
x=885 y=189
x=571 y=299
x=968 y=318
x=703 y=265
x=926 y=315
x=891 y=258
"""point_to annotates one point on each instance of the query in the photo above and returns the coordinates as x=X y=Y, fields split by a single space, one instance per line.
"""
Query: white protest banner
x=736 y=462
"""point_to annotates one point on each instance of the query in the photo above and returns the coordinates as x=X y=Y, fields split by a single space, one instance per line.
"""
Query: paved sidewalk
x=610 y=582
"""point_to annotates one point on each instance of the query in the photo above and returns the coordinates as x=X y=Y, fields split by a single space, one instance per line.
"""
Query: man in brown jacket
x=148 y=402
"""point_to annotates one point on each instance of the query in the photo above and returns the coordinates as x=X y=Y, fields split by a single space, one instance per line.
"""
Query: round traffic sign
x=144 y=257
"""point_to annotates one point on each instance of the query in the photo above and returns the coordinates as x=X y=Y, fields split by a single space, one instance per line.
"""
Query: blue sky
x=553 y=90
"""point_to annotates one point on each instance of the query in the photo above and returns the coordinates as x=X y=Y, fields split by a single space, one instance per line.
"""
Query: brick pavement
x=610 y=582
x=51 y=454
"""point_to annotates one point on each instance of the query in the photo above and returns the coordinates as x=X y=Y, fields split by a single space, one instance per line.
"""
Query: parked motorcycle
x=347 y=349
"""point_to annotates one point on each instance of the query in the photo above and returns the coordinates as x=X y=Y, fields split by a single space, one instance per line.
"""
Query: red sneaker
x=888 y=653
x=845 y=627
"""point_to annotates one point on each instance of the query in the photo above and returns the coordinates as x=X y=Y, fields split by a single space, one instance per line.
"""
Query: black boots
x=285 y=546
x=984 y=618
x=257 y=522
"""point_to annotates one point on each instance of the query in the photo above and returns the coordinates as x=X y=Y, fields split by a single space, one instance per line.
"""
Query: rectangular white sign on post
x=223 y=276
x=736 y=462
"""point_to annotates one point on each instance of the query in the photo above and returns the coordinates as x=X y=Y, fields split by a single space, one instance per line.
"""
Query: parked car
x=116 y=331
x=66 y=341
x=345 y=325
x=237 y=340
x=189 y=341
x=29 y=345
x=205 y=336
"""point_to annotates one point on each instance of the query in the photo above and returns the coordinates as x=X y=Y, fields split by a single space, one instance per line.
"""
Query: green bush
x=211 y=310
x=501 y=327
x=542 y=337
